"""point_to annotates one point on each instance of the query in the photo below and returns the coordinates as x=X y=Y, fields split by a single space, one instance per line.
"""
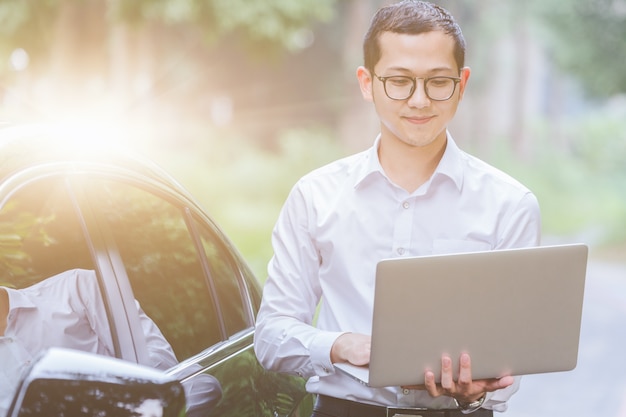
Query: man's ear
x=465 y=74
x=365 y=83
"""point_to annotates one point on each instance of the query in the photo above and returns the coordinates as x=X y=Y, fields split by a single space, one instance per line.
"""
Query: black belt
x=343 y=408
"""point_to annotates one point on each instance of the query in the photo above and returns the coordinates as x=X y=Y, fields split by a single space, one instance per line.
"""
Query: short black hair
x=411 y=17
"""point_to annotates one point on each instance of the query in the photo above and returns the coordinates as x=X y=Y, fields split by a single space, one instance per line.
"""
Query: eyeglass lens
x=436 y=88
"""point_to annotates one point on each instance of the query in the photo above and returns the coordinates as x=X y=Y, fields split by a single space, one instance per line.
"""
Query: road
x=597 y=386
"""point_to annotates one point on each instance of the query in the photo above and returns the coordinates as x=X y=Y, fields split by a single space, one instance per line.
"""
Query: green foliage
x=266 y=27
x=581 y=186
x=13 y=14
x=276 y=22
x=15 y=226
x=588 y=41
x=25 y=24
x=601 y=140
x=270 y=19
x=153 y=239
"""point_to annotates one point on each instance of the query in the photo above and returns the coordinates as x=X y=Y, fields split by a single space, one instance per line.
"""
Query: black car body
x=66 y=204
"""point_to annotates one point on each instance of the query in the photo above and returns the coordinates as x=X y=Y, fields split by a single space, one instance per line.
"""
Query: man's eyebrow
x=436 y=70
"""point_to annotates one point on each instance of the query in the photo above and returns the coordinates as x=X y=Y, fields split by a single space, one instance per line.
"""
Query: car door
x=191 y=282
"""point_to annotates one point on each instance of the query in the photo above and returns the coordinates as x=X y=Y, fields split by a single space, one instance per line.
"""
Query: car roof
x=25 y=147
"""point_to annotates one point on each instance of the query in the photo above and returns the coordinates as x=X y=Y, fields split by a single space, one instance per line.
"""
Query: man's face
x=418 y=120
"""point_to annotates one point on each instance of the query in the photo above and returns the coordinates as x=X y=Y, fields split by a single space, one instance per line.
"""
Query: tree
x=80 y=51
x=588 y=41
x=276 y=23
x=268 y=22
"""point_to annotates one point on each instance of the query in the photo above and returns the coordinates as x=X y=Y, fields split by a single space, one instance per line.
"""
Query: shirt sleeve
x=89 y=295
x=523 y=226
x=160 y=353
x=497 y=400
x=285 y=339
x=202 y=393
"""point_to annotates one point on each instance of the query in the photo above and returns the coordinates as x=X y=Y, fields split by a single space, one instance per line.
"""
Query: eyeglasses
x=401 y=87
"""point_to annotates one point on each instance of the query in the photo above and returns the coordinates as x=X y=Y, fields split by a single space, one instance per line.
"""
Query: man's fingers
x=465 y=370
x=503 y=382
x=464 y=386
x=431 y=386
x=447 y=378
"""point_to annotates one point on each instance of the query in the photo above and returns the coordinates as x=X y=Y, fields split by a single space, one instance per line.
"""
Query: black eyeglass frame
x=414 y=81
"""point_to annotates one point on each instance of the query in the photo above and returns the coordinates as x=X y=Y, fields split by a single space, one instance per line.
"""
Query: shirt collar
x=17 y=299
x=370 y=168
x=450 y=164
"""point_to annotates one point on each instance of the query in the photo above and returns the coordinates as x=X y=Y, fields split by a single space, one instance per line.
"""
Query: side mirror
x=64 y=382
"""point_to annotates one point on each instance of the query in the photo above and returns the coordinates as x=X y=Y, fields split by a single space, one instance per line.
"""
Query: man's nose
x=419 y=98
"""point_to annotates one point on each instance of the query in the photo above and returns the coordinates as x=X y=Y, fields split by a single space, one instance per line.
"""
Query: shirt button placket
x=402 y=233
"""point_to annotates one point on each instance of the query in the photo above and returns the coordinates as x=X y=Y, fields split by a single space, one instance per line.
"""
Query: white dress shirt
x=339 y=221
x=14 y=360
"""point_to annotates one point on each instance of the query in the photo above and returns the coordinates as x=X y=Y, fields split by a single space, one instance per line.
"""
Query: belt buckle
x=412 y=412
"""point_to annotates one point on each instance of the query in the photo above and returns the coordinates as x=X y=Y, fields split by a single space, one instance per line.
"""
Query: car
x=67 y=203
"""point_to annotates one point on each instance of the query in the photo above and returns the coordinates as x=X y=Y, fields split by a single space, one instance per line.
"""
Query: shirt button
x=406 y=205
x=406 y=391
x=400 y=251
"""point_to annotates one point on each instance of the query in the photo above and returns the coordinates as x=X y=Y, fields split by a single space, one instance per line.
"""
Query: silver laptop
x=515 y=311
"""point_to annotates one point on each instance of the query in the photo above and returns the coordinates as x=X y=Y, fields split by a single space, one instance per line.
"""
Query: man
x=413 y=193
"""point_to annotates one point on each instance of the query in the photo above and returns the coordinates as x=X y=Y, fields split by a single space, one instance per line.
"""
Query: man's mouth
x=419 y=120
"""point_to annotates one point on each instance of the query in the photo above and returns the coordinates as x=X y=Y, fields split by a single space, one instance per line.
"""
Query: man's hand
x=465 y=390
x=353 y=348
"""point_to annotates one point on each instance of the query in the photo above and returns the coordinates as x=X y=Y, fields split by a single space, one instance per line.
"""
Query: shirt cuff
x=320 y=352
x=498 y=400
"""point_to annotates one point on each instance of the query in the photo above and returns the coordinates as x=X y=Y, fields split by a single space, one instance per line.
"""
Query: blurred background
x=239 y=98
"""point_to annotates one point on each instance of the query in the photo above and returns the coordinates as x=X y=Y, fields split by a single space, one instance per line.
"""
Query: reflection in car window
x=162 y=264
x=40 y=235
x=226 y=278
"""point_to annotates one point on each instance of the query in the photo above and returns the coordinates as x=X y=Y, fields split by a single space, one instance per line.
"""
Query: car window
x=165 y=267
x=227 y=280
x=40 y=234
